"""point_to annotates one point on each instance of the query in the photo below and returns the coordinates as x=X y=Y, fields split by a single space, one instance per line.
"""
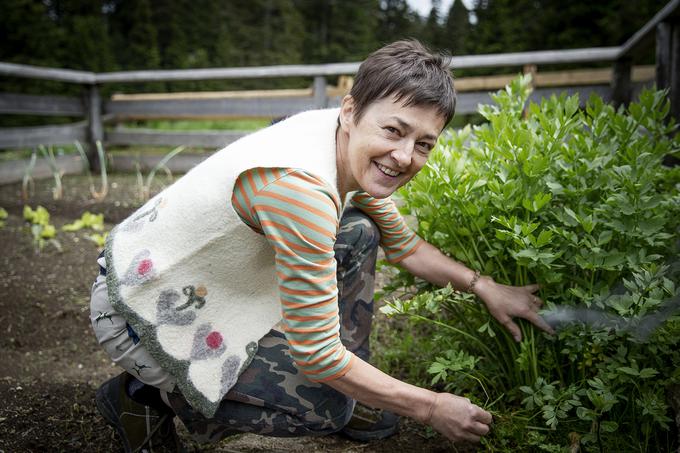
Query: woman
x=185 y=300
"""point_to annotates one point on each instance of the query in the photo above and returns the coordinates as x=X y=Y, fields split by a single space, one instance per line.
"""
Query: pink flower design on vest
x=214 y=340
x=140 y=270
x=208 y=343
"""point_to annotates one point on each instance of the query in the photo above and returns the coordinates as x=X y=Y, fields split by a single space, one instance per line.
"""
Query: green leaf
x=629 y=371
x=609 y=426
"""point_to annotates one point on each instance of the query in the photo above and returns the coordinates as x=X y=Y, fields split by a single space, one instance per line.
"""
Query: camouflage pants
x=272 y=397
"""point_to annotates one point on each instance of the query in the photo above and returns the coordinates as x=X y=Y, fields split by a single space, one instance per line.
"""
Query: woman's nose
x=403 y=154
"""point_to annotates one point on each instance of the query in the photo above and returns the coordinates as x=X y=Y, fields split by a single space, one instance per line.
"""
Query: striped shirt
x=299 y=215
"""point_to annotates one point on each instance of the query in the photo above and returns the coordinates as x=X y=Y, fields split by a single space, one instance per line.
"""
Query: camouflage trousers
x=272 y=397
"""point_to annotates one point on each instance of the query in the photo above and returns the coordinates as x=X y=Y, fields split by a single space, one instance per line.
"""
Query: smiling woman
x=241 y=297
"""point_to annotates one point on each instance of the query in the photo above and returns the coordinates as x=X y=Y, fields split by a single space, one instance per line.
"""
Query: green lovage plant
x=577 y=200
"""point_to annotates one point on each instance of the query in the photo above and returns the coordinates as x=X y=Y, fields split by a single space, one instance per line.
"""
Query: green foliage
x=42 y=231
x=578 y=201
x=99 y=239
x=93 y=222
x=87 y=220
x=3 y=216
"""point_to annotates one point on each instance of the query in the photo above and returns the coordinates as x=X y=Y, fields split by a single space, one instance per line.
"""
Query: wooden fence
x=618 y=84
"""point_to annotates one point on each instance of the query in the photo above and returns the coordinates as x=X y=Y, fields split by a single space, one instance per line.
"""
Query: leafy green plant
x=99 y=239
x=93 y=222
x=42 y=231
x=3 y=216
x=104 y=189
x=87 y=220
x=577 y=200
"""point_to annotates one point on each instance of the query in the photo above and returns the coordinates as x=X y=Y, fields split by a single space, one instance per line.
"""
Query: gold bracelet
x=473 y=282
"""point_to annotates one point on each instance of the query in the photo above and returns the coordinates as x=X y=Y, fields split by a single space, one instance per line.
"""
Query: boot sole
x=368 y=436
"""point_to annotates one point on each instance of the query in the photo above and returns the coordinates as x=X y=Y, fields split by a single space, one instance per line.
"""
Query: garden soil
x=50 y=363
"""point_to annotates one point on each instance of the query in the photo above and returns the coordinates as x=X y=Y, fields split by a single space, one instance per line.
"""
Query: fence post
x=320 y=98
x=95 y=130
x=674 y=67
x=621 y=85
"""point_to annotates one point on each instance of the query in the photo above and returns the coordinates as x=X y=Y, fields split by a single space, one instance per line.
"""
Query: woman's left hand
x=506 y=302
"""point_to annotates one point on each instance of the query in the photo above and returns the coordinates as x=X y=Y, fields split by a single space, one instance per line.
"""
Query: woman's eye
x=424 y=147
x=392 y=130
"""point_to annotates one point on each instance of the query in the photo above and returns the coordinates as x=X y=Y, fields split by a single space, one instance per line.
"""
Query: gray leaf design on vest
x=166 y=310
x=137 y=221
x=230 y=369
x=208 y=343
x=141 y=269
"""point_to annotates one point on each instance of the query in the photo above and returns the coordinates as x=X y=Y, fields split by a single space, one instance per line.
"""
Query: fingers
x=513 y=329
x=483 y=416
x=539 y=322
x=536 y=302
x=532 y=288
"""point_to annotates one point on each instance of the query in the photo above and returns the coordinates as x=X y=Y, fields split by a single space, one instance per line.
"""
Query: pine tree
x=134 y=35
x=85 y=36
x=458 y=33
x=432 y=33
x=397 y=21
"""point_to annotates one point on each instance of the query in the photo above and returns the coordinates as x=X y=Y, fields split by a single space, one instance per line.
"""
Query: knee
x=358 y=231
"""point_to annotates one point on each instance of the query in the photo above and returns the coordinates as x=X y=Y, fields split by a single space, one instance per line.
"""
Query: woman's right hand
x=458 y=419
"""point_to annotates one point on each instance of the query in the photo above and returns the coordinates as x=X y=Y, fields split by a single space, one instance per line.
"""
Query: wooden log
x=663 y=55
x=95 y=130
x=26 y=137
x=193 y=95
x=13 y=170
x=621 y=82
x=320 y=98
x=640 y=40
x=674 y=93
x=258 y=72
x=213 y=108
x=181 y=163
x=519 y=59
x=28 y=104
x=37 y=72
x=205 y=139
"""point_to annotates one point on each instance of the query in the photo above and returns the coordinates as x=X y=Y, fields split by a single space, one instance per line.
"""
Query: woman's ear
x=346 y=112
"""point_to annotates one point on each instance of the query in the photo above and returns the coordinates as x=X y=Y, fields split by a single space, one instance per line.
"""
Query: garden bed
x=50 y=362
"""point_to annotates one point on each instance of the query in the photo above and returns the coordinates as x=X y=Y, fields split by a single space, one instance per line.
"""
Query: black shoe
x=369 y=424
x=141 y=428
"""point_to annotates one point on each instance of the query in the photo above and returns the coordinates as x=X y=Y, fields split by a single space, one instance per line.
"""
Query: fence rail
x=617 y=85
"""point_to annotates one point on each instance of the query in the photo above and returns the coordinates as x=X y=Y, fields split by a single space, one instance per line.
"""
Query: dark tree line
x=109 y=35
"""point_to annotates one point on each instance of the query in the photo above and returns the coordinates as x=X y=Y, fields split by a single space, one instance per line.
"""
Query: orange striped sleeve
x=299 y=215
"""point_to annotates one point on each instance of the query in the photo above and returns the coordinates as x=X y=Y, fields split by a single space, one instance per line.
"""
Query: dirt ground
x=50 y=363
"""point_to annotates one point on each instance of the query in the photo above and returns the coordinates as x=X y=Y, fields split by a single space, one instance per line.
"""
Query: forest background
x=113 y=35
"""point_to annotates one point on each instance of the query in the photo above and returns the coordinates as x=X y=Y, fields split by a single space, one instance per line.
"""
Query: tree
x=458 y=36
x=28 y=35
x=85 y=36
x=134 y=35
x=397 y=21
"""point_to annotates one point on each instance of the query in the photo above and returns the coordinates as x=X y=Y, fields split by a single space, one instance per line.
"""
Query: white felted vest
x=197 y=284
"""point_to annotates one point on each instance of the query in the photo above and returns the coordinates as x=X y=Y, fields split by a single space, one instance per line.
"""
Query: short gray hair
x=409 y=71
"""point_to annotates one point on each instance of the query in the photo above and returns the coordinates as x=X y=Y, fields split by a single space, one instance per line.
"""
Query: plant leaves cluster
x=578 y=200
x=42 y=231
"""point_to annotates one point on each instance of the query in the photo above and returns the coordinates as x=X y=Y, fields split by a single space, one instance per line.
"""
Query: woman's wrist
x=424 y=413
x=482 y=285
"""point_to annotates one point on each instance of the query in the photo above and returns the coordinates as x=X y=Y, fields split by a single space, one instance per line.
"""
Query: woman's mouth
x=387 y=171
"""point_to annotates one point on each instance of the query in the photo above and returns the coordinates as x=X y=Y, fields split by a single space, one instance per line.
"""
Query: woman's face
x=387 y=146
